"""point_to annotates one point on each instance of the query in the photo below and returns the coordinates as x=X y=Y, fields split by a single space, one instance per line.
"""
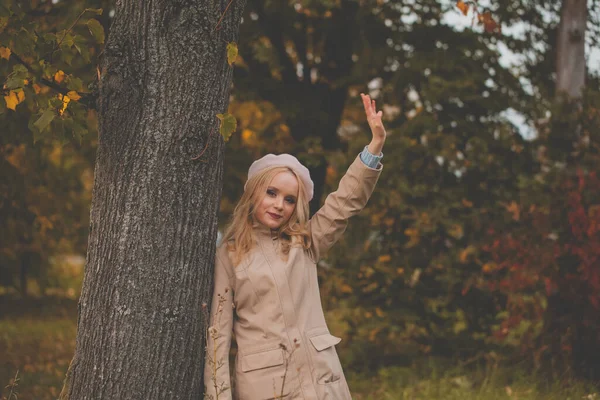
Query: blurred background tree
x=481 y=241
x=48 y=50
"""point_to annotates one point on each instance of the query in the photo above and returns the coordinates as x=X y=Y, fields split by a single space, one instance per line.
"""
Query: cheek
x=290 y=209
x=264 y=204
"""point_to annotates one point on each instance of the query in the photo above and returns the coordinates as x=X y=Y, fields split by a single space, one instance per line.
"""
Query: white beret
x=283 y=160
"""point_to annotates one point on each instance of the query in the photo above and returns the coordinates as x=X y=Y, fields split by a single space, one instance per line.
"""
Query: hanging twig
x=223 y=15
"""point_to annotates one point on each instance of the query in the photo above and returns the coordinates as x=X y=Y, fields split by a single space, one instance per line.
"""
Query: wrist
x=375 y=146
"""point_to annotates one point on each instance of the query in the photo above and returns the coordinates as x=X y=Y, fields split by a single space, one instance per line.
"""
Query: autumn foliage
x=478 y=243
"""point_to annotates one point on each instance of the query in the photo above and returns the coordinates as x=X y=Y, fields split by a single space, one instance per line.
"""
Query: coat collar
x=263 y=231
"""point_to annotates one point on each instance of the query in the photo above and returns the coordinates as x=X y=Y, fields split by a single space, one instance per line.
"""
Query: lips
x=274 y=216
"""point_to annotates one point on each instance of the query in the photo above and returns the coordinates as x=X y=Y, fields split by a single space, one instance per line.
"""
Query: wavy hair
x=238 y=234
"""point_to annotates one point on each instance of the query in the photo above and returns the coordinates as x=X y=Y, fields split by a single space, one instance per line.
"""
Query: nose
x=279 y=203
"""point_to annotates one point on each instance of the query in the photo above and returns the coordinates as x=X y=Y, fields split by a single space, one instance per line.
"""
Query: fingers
x=366 y=103
x=370 y=106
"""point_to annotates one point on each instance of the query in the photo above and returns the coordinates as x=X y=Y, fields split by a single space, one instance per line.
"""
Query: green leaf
x=75 y=84
x=3 y=23
x=67 y=41
x=20 y=69
x=44 y=121
x=232 y=52
x=66 y=56
x=97 y=11
x=14 y=82
x=49 y=38
x=96 y=29
x=82 y=47
x=228 y=125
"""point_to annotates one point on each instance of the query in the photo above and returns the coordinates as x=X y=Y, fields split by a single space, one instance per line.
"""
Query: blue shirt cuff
x=370 y=160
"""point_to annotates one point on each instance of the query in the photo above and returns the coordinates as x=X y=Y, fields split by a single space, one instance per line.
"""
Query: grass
x=432 y=379
x=39 y=344
x=37 y=339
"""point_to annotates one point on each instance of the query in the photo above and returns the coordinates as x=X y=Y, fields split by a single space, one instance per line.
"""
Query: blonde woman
x=266 y=289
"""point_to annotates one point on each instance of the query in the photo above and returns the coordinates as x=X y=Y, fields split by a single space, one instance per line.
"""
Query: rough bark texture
x=141 y=327
x=570 y=63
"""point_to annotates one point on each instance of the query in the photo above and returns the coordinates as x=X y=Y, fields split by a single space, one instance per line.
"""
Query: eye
x=290 y=200
x=270 y=192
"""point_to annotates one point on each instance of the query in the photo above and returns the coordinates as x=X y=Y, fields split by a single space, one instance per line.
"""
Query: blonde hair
x=238 y=235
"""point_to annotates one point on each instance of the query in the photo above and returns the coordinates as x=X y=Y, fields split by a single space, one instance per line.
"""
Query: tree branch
x=87 y=99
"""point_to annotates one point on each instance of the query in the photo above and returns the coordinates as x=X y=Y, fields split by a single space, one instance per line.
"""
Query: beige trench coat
x=269 y=302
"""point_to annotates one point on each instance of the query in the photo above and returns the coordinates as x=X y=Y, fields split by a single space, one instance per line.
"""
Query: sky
x=508 y=59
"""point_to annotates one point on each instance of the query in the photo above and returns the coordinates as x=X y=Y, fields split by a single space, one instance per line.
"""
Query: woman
x=266 y=287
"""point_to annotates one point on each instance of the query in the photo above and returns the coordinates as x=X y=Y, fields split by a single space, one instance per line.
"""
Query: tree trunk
x=570 y=61
x=141 y=325
x=567 y=310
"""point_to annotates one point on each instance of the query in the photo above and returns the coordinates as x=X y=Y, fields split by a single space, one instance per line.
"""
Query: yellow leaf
x=379 y=312
x=13 y=99
x=59 y=76
x=371 y=287
x=66 y=101
x=488 y=267
x=4 y=52
x=368 y=314
x=515 y=210
x=467 y=203
x=410 y=232
x=345 y=288
x=74 y=95
x=400 y=271
x=413 y=234
x=232 y=52
x=384 y=258
x=465 y=253
x=456 y=231
x=249 y=137
x=463 y=7
x=373 y=334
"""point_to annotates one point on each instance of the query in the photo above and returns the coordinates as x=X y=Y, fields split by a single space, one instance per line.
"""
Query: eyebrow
x=277 y=190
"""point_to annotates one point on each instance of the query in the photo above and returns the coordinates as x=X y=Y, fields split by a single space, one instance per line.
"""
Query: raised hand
x=375 y=123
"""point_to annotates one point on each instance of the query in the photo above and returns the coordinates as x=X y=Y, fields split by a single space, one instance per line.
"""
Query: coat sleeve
x=216 y=364
x=354 y=190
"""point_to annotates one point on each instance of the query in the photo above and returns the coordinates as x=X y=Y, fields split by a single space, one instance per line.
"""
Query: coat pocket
x=326 y=364
x=262 y=376
x=262 y=359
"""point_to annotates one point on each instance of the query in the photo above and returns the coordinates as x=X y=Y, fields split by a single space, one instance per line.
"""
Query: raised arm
x=216 y=360
x=330 y=222
x=354 y=190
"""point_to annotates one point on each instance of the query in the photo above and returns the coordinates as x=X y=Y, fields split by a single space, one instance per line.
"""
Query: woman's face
x=279 y=200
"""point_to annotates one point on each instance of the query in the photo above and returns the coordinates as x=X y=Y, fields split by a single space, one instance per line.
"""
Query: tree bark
x=570 y=61
x=141 y=326
x=567 y=310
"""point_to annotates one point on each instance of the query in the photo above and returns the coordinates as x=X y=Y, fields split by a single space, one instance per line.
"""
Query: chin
x=275 y=225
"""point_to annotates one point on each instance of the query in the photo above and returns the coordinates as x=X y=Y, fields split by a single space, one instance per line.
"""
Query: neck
x=264 y=230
